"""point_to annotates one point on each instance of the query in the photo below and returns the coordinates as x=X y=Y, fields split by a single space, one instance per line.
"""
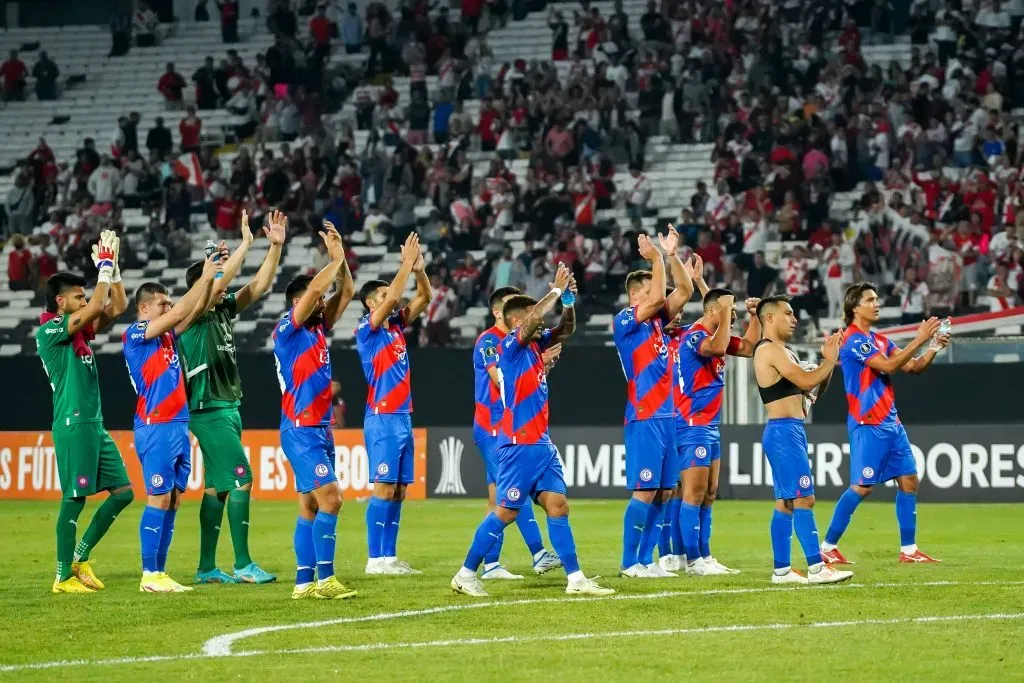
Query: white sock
x=815 y=568
x=302 y=586
x=828 y=547
x=321 y=582
x=782 y=571
x=466 y=573
x=374 y=561
x=576 y=577
x=491 y=565
x=909 y=549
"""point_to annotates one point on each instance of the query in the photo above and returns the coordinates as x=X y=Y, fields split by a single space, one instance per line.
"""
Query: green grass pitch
x=960 y=620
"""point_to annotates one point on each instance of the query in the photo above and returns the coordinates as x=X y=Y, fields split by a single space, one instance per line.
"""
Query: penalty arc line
x=563 y=637
x=221 y=646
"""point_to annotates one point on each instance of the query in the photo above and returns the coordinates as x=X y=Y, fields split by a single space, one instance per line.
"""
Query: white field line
x=562 y=637
x=220 y=646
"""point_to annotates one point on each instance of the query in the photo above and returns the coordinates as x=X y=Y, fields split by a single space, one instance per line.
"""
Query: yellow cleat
x=156 y=582
x=71 y=585
x=83 y=570
x=332 y=589
x=302 y=593
x=178 y=588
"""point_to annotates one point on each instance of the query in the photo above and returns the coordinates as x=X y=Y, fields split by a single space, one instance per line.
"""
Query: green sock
x=101 y=521
x=67 y=526
x=238 y=518
x=211 y=512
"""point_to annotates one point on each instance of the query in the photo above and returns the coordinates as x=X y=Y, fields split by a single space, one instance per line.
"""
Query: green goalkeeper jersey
x=72 y=374
x=208 y=351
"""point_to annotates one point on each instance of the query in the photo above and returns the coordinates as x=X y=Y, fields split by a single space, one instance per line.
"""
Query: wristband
x=557 y=291
x=117 y=276
x=104 y=277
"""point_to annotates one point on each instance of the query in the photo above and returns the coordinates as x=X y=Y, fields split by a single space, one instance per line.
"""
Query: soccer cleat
x=156 y=582
x=213 y=576
x=72 y=584
x=587 y=587
x=917 y=557
x=658 y=572
x=178 y=588
x=546 y=562
x=468 y=586
x=791 y=577
x=253 y=573
x=400 y=567
x=701 y=567
x=332 y=589
x=375 y=566
x=499 y=572
x=83 y=570
x=637 y=571
x=827 y=574
x=307 y=591
x=719 y=565
x=834 y=557
x=671 y=563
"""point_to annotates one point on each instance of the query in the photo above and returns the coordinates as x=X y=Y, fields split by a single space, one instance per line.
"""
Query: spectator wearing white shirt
x=105 y=183
x=796 y=274
x=1001 y=245
x=913 y=296
x=1002 y=289
x=839 y=260
x=439 y=312
x=638 y=193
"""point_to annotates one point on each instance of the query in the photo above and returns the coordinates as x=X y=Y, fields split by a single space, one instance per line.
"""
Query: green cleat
x=253 y=573
x=214 y=576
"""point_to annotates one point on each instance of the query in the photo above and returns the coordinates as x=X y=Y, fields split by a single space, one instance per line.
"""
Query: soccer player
x=879 y=447
x=87 y=458
x=161 y=414
x=304 y=371
x=486 y=422
x=214 y=392
x=652 y=469
x=702 y=352
x=528 y=466
x=783 y=386
x=387 y=425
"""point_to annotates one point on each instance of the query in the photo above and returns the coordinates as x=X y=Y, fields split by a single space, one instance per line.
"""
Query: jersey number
x=280 y=377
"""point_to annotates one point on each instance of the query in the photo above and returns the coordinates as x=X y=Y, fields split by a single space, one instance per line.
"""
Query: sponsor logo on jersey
x=867 y=472
x=701 y=452
x=805 y=482
x=321 y=470
x=512 y=494
x=646 y=474
x=157 y=481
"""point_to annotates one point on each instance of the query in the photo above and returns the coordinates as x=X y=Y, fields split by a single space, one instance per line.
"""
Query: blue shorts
x=526 y=471
x=699 y=445
x=879 y=453
x=390 y=447
x=166 y=455
x=310 y=450
x=487 y=443
x=785 y=446
x=651 y=460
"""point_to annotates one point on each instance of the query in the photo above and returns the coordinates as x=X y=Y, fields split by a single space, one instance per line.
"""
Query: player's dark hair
x=194 y=272
x=367 y=290
x=636 y=279
x=517 y=304
x=852 y=296
x=146 y=290
x=714 y=295
x=500 y=293
x=57 y=284
x=296 y=287
x=770 y=302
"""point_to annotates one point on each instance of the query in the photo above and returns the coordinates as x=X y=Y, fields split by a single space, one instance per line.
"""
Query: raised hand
x=550 y=355
x=332 y=239
x=562 y=277
x=646 y=247
x=698 y=267
x=670 y=241
x=830 y=349
x=246 y=232
x=727 y=302
x=212 y=266
x=928 y=329
x=274 y=227
x=411 y=249
x=103 y=258
x=751 y=305
x=572 y=284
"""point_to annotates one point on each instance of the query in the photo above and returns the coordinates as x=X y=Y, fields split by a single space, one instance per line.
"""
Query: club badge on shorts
x=701 y=452
x=512 y=494
x=805 y=482
x=321 y=470
x=646 y=474
x=156 y=481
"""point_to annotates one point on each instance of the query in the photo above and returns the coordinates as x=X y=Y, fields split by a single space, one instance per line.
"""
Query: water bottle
x=568 y=298
x=946 y=327
x=211 y=249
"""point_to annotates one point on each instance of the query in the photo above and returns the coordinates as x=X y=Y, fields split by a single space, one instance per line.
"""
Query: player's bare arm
x=205 y=300
x=682 y=273
x=889 y=365
x=421 y=299
x=103 y=255
x=655 y=300
x=698 y=276
x=550 y=356
x=718 y=343
x=918 y=365
x=322 y=281
x=833 y=342
x=344 y=290
x=234 y=262
x=567 y=324
x=410 y=253
x=805 y=380
x=534 y=320
x=186 y=305
x=753 y=334
x=275 y=228
x=118 y=302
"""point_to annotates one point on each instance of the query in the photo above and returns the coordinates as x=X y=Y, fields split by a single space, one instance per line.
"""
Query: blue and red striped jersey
x=524 y=390
x=869 y=393
x=701 y=379
x=675 y=338
x=155 y=372
x=386 y=365
x=304 y=372
x=486 y=395
x=643 y=353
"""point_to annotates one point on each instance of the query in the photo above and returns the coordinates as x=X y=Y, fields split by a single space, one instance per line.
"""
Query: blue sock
x=652 y=531
x=528 y=527
x=563 y=543
x=672 y=518
x=807 y=534
x=705 y=530
x=325 y=530
x=494 y=554
x=150 y=533
x=487 y=534
x=166 y=534
x=391 y=524
x=376 y=524
x=782 y=538
x=305 y=556
x=689 y=523
x=636 y=516
x=906 y=515
x=665 y=533
x=842 y=515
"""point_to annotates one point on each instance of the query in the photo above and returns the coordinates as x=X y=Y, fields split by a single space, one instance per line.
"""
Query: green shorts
x=219 y=432
x=87 y=460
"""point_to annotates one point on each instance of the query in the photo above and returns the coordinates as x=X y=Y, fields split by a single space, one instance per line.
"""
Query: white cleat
x=499 y=572
x=827 y=574
x=790 y=577
x=637 y=571
x=719 y=565
x=400 y=567
x=671 y=563
x=545 y=562
x=468 y=586
x=375 y=566
x=588 y=587
x=658 y=572
x=700 y=567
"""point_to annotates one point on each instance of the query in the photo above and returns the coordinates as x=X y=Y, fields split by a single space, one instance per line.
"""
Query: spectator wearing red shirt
x=320 y=27
x=465 y=277
x=14 y=73
x=19 y=265
x=228 y=20
x=171 y=85
x=191 y=128
x=968 y=242
x=490 y=126
x=471 y=12
x=710 y=252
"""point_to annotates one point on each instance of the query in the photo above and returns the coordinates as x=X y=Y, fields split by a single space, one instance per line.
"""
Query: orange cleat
x=917 y=557
x=834 y=557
